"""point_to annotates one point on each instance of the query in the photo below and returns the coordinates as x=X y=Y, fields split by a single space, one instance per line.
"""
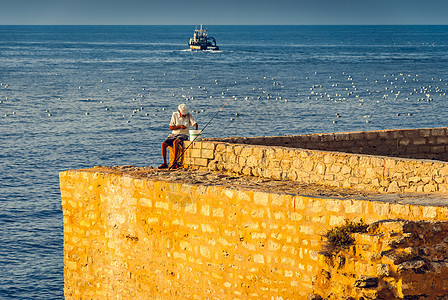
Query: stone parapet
x=426 y=143
x=360 y=171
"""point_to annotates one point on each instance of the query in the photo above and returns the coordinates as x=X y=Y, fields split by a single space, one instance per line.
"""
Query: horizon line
x=224 y=24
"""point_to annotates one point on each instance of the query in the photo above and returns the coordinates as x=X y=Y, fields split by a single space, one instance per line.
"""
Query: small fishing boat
x=200 y=40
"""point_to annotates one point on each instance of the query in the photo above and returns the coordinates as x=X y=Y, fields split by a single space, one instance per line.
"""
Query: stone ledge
x=245 y=182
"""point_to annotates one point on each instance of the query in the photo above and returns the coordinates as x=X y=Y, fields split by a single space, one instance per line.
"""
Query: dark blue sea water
x=80 y=96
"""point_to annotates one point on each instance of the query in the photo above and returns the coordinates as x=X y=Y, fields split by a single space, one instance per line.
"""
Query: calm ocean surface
x=80 y=96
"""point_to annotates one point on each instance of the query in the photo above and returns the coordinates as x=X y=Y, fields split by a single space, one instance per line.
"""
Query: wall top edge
x=187 y=178
x=325 y=133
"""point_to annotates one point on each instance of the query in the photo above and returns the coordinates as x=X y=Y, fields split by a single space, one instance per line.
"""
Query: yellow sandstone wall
x=136 y=238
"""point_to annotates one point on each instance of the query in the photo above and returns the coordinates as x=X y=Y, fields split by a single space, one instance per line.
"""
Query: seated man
x=181 y=120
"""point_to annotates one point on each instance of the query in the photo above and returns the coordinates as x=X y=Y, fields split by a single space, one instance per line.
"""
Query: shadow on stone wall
x=395 y=259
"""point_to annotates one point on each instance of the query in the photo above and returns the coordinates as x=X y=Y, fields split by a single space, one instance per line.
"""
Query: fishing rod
x=182 y=154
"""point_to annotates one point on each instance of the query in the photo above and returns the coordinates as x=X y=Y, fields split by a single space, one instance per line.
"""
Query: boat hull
x=196 y=47
x=203 y=47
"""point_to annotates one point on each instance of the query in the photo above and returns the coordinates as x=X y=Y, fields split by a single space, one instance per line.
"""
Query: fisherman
x=180 y=123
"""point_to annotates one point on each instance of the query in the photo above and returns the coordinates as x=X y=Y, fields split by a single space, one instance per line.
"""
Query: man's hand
x=177 y=127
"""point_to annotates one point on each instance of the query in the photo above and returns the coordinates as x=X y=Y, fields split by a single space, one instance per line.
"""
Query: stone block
x=178 y=255
x=315 y=138
x=202 y=162
x=438 y=149
x=208 y=145
x=424 y=132
x=258 y=258
x=419 y=141
x=333 y=205
x=381 y=209
x=221 y=147
x=195 y=153
x=329 y=178
x=294 y=216
x=404 y=142
x=278 y=200
x=424 y=149
x=429 y=212
x=341 y=137
x=346 y=170
x=356 y=136
x=306 y=229
x=438 y=132
x=430 y=188
x=353 y=207
x=205 y=210
x=326 y=138
x=308 y=165
x=190 y=208
x=252 y=161
x=320 y=168
x=396 y=135
x=209 y=154
x=393 y=187
x=370 y=173
x=207 y=228
x=284 y=163
x=162 y=205
x=298 y=203
x=261 y=198
x=314 y=206
x=371 y=135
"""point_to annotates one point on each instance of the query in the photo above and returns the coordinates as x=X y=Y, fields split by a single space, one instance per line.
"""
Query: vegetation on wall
x=341 y=237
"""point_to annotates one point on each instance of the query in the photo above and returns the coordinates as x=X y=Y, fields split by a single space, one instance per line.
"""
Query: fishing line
x=175 y=161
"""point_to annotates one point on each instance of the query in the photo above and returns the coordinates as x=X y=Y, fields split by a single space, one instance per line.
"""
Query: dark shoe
x=175 y=166
x=163 y=166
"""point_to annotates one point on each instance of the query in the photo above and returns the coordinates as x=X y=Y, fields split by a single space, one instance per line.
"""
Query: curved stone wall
x=269 y=159
x=426 y=143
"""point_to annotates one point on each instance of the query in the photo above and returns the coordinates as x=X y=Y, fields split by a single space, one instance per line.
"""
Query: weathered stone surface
x=382 y=270
x=416 y=266
x=366 y=282
x=404 y=270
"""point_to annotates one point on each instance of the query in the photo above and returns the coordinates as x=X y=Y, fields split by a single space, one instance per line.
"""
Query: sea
x=81 y=96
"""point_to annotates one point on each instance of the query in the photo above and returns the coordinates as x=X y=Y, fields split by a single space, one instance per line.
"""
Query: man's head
x=183 y=110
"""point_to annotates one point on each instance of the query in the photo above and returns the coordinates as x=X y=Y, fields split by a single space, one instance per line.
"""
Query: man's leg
x=176 y=144
x=164 y=151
